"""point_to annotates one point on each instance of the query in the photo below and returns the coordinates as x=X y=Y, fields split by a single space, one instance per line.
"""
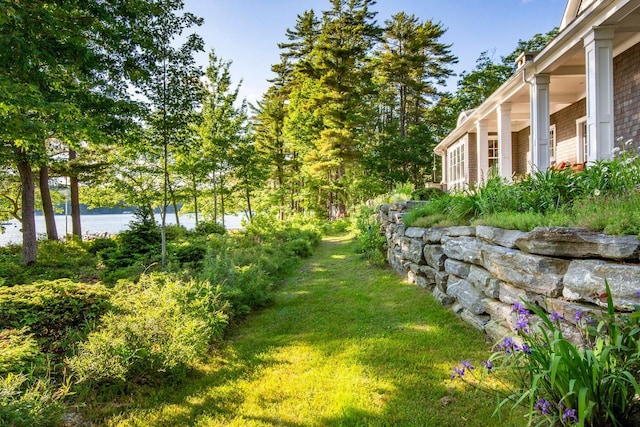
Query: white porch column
x=540 y=122
x=445 y=168
x=504 y=140
x=482 y=152
x=599 y=69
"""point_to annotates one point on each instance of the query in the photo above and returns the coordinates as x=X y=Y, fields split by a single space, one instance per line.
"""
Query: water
x=97 y=224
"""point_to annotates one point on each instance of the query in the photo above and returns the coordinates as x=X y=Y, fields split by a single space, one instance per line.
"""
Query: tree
x=171 y=87
x=64 y=73
x=247 y=169
x=341 y=66
x=411 y=64
x=278 y=122
x=222 y=122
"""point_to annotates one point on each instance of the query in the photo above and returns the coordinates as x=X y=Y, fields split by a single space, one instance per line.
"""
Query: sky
x=247 y=32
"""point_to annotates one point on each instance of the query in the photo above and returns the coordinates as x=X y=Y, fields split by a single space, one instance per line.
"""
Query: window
x=552 y=144
x=582 y=142
x=455 y=156
x=493 y=153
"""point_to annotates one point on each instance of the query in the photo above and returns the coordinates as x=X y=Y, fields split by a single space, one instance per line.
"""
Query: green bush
x=163 y=324
x=339 y=226
x=427 y=193
x=177 y=232
x=138 y=246
x=55 y=312
x=56 y=260
x=210 y=227
x=100 y=244
x=560 y=383
x=188 y=252
x=299 y=247
x=248 y=264
x=605 y=197
x=19 y=352
x=371 y=243
x=27 y=402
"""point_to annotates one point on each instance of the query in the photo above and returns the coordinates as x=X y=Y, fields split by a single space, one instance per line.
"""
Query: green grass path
x=344 y=344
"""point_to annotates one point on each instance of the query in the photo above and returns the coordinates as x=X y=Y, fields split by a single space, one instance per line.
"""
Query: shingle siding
x=522 y=141
x=566 y=132
x=473 y=159
x=626 y=90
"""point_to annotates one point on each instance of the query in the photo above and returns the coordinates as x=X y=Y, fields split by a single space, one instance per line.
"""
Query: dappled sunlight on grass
x=344 y=344
x=419 y=327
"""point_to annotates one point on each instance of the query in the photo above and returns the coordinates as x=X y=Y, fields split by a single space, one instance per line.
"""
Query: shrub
x=56 y=260
x=431 y=212
x=162 y=326
x=140 y=245
x=189 y=253
x=28 y=402
x=100 y=244
x=177 y=232
x=338 y=226
x=299 y=247
x=524 y=221
x=427 y=193
x=371 y=243
x=605 y=197
x=19 y=352
x=210 y=227
x=560 y=383
x=248 y=265
x=55 y=312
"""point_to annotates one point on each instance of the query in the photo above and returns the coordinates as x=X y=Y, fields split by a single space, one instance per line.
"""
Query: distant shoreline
x=99 y=224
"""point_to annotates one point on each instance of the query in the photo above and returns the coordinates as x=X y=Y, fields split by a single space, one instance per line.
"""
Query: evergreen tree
x=411 y=64
x=341 y=64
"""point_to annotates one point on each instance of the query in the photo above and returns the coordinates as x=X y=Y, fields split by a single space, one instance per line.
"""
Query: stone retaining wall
x=481 y=271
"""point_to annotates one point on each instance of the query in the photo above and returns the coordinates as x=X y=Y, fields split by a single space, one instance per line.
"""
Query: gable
x=573 y=9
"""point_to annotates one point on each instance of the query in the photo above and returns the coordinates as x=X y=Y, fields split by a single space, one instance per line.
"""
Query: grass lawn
x=344 y=344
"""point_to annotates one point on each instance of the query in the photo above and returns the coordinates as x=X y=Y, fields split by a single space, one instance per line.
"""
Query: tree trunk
x=222 y=206
x=403 y=111
x=151 y=213
x=75 y=201
x=215 y=198
x=165 y=203
x=173 y=202
x=47 y=206
x=195 y=199
x=249 y=204
x=29 y=237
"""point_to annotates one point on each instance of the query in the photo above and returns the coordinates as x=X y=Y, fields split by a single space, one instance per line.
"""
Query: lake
x=111 y=224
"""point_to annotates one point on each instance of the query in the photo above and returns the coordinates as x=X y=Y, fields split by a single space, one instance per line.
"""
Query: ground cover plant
x=342 y=344
x=603 y=197
x=592 y=383
x=63 y=335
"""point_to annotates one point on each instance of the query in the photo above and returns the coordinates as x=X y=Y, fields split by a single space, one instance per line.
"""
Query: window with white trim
x=582 y=145
x=553 y=149
x=455 y=155
x=493 y=153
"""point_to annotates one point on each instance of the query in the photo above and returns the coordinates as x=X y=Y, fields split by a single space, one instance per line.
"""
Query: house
x=570 y=103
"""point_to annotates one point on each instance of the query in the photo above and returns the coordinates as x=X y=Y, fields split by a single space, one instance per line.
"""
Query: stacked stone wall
x=482 y=271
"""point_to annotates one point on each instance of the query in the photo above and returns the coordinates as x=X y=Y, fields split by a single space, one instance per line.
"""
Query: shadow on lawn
x=393 y=331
